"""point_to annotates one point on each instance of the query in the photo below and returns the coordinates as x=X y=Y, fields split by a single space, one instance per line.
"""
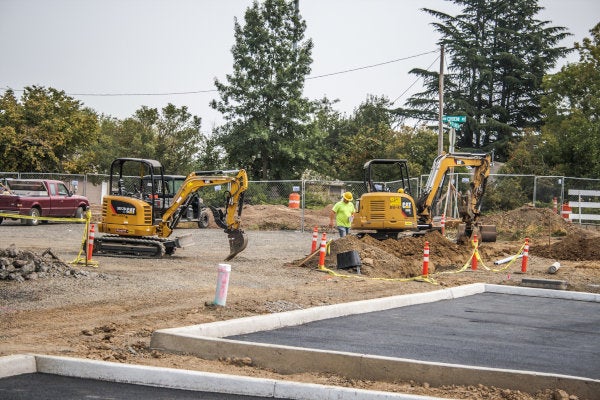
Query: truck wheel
x=1 y=219
x=80 y=213
x=203 y=220
x=34 y=213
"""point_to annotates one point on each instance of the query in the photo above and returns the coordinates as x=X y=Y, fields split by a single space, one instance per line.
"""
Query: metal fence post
x=302 y=203
x=534 y=189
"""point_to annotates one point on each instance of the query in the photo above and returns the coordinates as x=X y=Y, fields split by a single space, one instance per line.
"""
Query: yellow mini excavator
x=385 y=213
x=138 y=222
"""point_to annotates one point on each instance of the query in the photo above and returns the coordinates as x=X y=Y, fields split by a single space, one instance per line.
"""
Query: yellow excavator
x=137 y=221
x=386 y=213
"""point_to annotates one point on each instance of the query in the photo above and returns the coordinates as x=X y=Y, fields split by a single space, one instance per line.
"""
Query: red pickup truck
x=40 y=198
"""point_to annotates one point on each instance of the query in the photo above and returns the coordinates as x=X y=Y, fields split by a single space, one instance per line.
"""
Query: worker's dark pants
x=343 y=231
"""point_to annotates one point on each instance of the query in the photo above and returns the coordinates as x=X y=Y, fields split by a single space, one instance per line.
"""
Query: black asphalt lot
x=51 y=387
x=484 y=330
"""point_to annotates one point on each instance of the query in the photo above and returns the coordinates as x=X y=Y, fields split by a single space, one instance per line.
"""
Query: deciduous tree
x=46 y=131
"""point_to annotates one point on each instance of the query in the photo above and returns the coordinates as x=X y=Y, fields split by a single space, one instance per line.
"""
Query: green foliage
x=499 y=54
x=171 y=136
x=315 y=200
x=45 y=131
x=572 y=107
x=267 y=128
x=505 y=194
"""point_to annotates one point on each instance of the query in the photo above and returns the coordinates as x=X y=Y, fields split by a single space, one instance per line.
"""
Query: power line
x=370 y=66
x=416 y=80
x=214 y=90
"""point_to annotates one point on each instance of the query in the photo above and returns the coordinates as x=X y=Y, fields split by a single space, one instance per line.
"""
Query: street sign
x=455 y=125
x=454 y=118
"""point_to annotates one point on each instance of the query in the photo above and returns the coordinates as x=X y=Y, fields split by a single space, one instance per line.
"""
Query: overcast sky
x=170 y=46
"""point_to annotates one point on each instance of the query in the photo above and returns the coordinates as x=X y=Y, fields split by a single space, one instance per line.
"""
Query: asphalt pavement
x=48 y=386
x=493 y=330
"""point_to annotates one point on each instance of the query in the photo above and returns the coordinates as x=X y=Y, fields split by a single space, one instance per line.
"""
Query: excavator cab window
x=386 y=175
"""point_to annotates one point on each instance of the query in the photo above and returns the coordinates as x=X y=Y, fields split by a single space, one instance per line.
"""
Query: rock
x=28 y=268
x=32 y=276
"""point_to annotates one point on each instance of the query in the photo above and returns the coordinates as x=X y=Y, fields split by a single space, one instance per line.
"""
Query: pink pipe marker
x=222 y=284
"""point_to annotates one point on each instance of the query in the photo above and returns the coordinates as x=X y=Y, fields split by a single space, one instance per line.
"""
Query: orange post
x=426 y=259
x=323 y=251
x=525 y=256
x=555 y=205
x=315 y=238
x=90 y=248
x=474 y=259
x=443 y=224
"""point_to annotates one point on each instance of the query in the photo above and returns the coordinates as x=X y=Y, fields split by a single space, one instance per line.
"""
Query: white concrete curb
x=549 y=293
x=17 y=365
x=259 y=323
x=186 y=380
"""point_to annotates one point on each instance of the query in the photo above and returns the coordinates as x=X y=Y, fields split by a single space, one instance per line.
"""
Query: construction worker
x=342 y=214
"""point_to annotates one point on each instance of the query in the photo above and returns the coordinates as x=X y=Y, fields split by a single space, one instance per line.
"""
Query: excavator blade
x=488 y=233
x=237 y=242
x=485 y=233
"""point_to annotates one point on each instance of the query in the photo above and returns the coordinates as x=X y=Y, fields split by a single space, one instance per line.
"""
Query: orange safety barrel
x=565 y=212
x=294 y=200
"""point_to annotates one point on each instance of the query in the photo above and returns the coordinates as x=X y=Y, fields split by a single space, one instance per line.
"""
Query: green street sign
x=455 y=125
x=454 y=118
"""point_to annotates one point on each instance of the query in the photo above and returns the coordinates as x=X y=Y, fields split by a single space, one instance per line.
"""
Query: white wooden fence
x=582 y=206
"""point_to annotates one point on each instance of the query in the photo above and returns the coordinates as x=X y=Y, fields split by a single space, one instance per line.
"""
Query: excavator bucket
x=237 y=242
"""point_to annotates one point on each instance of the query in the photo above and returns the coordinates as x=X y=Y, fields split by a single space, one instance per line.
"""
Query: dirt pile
x=278 y=217
x=403 y=258
x=20 y=265
x=529 y=222
x=579 y=246
x=550 y=235
x=395 y=258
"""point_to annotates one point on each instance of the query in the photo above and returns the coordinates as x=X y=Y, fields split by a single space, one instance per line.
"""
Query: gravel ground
x=111 y=313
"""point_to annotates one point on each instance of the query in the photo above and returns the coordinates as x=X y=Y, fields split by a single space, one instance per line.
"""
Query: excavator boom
x=470 y=208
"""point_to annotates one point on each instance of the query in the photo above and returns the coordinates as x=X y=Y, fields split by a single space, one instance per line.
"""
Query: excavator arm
x=471 y=207
x=229 y=220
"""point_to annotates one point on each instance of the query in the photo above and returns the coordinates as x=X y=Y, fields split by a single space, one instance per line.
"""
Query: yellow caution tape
x=20 y=216
x=475 y=253
x=422 y=278
x=81 y=256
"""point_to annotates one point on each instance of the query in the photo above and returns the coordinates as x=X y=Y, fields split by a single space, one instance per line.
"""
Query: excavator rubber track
x=142 y=247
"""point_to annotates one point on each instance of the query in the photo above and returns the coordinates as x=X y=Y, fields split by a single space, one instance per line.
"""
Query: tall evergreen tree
x=499 y=53
x=265 y=113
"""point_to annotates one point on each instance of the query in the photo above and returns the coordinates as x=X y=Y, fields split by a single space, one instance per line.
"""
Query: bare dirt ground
x=108 y=312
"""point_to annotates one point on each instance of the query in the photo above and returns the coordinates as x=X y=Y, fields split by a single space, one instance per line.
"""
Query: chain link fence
x=577 y=199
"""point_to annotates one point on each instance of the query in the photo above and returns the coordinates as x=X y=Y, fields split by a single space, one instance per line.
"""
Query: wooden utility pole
x=441 y=110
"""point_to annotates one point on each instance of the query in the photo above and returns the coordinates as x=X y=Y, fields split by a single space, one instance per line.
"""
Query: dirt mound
x=578 y=246
x=570 y=241
x=529 y=222
x=279 y=217
x=392 y=258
